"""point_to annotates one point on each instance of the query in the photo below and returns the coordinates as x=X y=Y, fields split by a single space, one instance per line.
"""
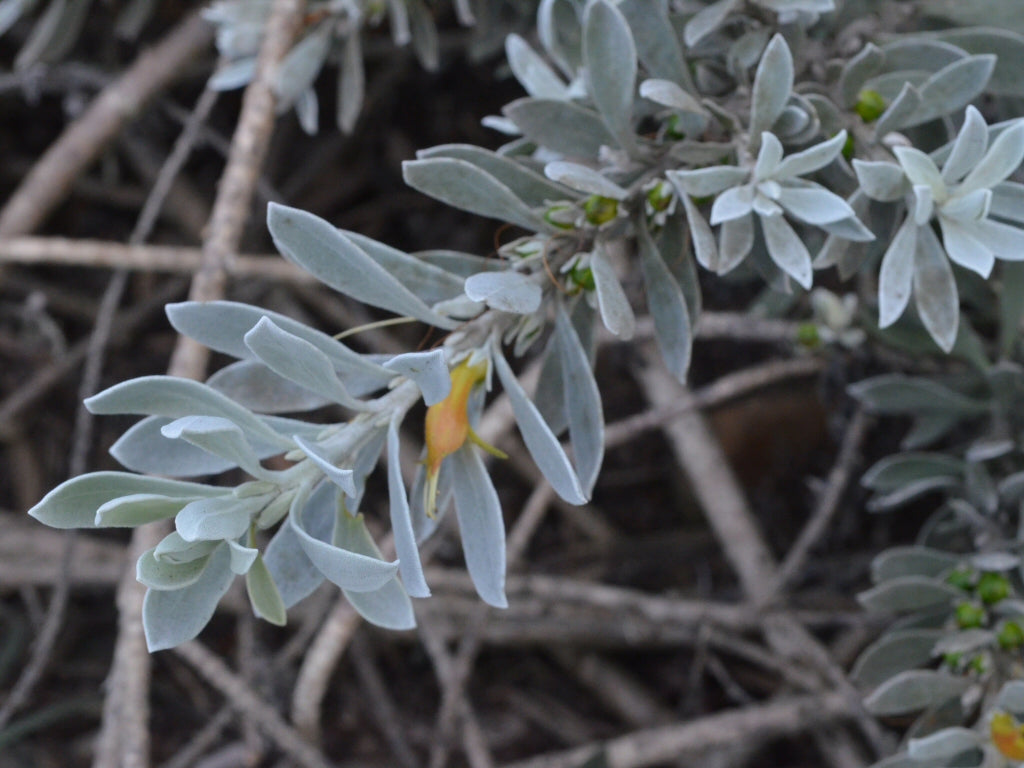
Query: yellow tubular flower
x=1008 y=735
x=447 y=427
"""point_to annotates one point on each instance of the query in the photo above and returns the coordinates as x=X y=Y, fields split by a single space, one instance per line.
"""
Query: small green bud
x=993 y=587
x=600 y=210
x=978 y=663
x=1010 y=636
x=807 y=335
x=560 y=216
x=870 y=105
x=970 y=616
x=848 y=147
x=672 y=129
x=660 y=196
x=583 y=277
x=961 y=578
x=953 y=659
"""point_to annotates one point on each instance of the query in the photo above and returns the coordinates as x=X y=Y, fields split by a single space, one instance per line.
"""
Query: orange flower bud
x=447 y=426
x=1008 y=735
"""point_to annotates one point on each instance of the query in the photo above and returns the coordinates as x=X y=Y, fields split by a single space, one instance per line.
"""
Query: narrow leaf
x=480 y=524
x=263 y=594
x=667 y=304
x=616 y=314
x=582 y=402
x=401 y=521
x=773 y=83
x=609 y=57
x=387 y=606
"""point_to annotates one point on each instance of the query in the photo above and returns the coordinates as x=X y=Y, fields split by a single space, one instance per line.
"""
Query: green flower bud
x=807 y=335
x=961 y=578
x=993 y=587
x=660 y=196
x=600 y=210
x=672 y=129
x=561 y=216
x=848 y=147
x=952 y=659
x=970 y=616
x=583 y=277
x=1010 y=636
x=978 y=664
x=870 y=105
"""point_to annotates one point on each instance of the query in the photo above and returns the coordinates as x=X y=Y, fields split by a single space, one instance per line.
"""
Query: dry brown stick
x=828 y=502
x=124 y=738
x=144 y=258
x=757 y=724
x=52 y=176
x=247 y=702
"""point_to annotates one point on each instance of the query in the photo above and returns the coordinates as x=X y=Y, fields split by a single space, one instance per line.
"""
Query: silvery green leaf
x=233 y=74
x=616 y=314
x=668 y=308
x=334 y=259
x=307 y=110
x=173 y=617
x=174 y=398
x=401 y=520
x=143 y=448
x=704 y=182
x=850 y=228
x=1011 y=696
x=953 y=87
x=558 y=27
x=463 y=185
x=914 y=690
x=670 y=240
x=459 y=264
x=428 y=282
x=584 y=179
x=293 y=572
x=810 y=159
x=73 y=503
x=1003 y=240
x=506 y=291
x=220 y=517
x=12 y=10
x=1002 y=159
x=900 y=112
x=242 y=557
x=935 y=291
x=540 y=441
x=424 y=35
x=549 y=395
x=908 y=593
x=773 y=83
x=398 y=15
x=138 y=509
x=736 y=239
x=222 y=325
x=668 y=94
x=174 y=549
x=301 y=65
x=880 y=180
x=897 y=562
x=266 y=600
x=898 y=394
x=254 y=386
x=795 y=124
x=896 y=276
x=856 y=71
x=1006 y=44
x=160 y=574
x=387 y=606
x=916 y=488
x=734 y=203
x=528 y=185
x=965 y=249
x=657 y=41
x=428 y=369
x=787 y=250
x=892 y=472
x=363 y=464
x=969 y=147
x=340 y=477
x=349 y=570
x=481 y=526
x=922 y=204
x=704 y=247
x=298 y=361
x=995 y=561
x=351 y=83
x=218 y=436
x=919 y=168
x=532 y=72
x=893 y=653
x=582 y=402
x=707 y=20
x=561 y=126
x=610 y=66
x=944 y=744
x=815 y=205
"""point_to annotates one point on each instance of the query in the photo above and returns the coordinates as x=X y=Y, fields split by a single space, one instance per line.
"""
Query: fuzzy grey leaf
x=532 y=72
x=582 y=402
x=900 y=112
x=657 y=41
x=428 y=369
x=880 y=180
x=667 y=304
x=944 y=744
x=301 y=66
x=73 y=503
x=856 y=71
x=584 y=179
x=953 y=87
x=242 y=557
x=908 y=593
x=218 y=436
x=810 y=159
x=914 y=690
x=787 y=250
x=616 y=314
x=561 y=126
x=773 y=82
x=506 y=291
x=704 y=182
x=540 y=441
x=220 y=517
x=170 y=618
x=480 y=524
x=351 y=83
x=160 y=574
x=143 y=448
x=387 y=606
x=263 y=594
x=340 y=477
x=401 y=520
x=894 y=653
x=334 y=259
x=252 y=385
x=707 y=20
x=609 y=57
x=935 y=291
x=896 y=277
x=138 y=509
